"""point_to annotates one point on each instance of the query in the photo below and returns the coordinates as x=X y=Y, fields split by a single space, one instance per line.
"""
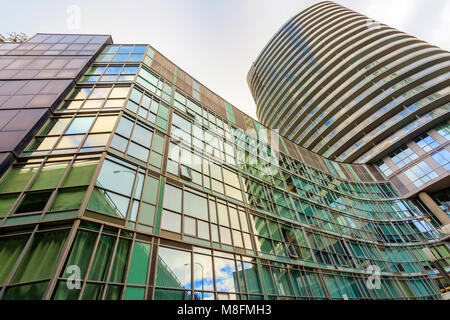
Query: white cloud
x=215 y=41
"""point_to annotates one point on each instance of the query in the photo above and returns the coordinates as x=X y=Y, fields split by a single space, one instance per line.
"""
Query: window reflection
x=171 y=221
x=116 y=177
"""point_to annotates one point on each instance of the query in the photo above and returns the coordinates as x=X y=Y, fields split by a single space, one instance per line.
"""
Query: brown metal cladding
x=399 y=185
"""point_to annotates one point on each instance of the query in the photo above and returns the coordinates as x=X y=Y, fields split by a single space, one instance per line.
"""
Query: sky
x=215 y=41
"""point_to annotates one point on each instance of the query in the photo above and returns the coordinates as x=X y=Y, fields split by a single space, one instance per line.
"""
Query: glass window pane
x=168 y=294
x=237 y=239
x=147 y=214
x=68 y=199
x=124 y=127
x=282 y=282
x=116 y=177
x=58 y=126
x=172 y=198
x=203 y=230
x=81 y=173
x=6 y=202
x=268 y=282
x=171 y=221
x=34 y=202
x=104 y=124
x=94 y=140
x=99 y=93
x=80 y=253
x=139 y=263
x=16 y=179
x=119 y=143
x=34 y=291
x=41 y=258
x=120 y=92
x=189 y=226
x=138 y=152
x=226 y=275
x=109 y=203
x=142 y=136
x=47 y=143
x=234 y=218
x=80 y=125
x=223 y=215
x=225 y=235
x=251 y=273
x=10 y=249
x=150 y=189
x=203 y=273
x=134 y=293
x=195 y=206
x=120 y=261
x=70 y=142
x=102 y=258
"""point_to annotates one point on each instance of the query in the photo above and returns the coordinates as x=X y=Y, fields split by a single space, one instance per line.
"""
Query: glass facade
x=138 y=188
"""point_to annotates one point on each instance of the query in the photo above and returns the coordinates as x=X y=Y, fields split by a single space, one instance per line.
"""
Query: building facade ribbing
x=151 y=186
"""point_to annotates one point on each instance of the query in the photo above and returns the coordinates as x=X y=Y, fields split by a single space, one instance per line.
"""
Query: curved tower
x=122 y=171
x=347 y=87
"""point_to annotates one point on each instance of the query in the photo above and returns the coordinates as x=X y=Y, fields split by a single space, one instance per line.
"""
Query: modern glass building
x=125 y=178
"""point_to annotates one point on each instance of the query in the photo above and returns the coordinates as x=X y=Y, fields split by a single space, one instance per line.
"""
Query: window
x=142 y=136
x=185 y=173
x=172 y=198
x=109 y=203
x=179 y=101
x=74 y=135
x=181 y=128
x=195 y=206
x=80 y=125
x=403 y=156
x=38 y=263
x=189 y=226
x=226 y=275
x=150 y=190
x=384 y=168
x=116 y=177
x=16 y=178
x=104 y=124
x=105 y=73
x=68 y=199
x=122 y=53
x=139 y=263
x=203 y=272
x=140 y=142
x=174 y=269
x=6 y=202
x=444 y=130
x=94 y=98
x=33 y=202
x=443 y=158
x=225 y=236
x=148 y=108
x=421 y=174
